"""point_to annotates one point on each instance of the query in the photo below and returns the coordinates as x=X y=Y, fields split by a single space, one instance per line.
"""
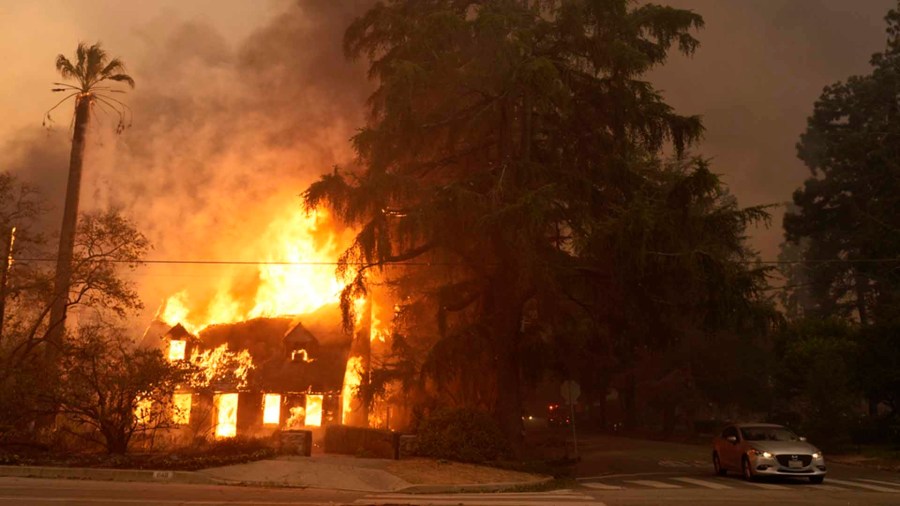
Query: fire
x=226 y=415
x=296 y=276
x=376 y=331
x=220 y=364
x=143 y=411
x=314 y=410
x=271 y=409
x=302 y=355
x=176 y=350
x=181 y=408
x=297 y=418
x=352 y=380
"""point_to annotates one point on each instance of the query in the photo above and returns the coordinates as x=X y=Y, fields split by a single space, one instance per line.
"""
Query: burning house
x=267 y=374
x=260 y=371
x=259 y=375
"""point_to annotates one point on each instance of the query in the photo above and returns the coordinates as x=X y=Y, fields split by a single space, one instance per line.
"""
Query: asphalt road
x=612 y=472
x=623 y=471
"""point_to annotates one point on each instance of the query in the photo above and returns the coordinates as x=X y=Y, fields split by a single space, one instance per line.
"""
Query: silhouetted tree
x=500 y=133
x=848 y=212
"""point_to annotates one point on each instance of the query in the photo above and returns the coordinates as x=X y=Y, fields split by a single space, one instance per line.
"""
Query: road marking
x=829 y=487
x=19 y=499
x=703 y=483
x=497 y=499
x=876 y=488
x=610 y=476
x=601 y=486
x=653 y=484
x=767 y=486
x=879 y=482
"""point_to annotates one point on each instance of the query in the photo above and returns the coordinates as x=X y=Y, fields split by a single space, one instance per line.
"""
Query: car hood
x=779 y=447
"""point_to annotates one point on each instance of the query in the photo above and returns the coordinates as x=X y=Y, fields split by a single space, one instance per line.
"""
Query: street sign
x=570 y=391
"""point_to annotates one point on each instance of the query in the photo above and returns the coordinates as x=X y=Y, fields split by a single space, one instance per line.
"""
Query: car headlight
x=765 y=455
x=817 y=455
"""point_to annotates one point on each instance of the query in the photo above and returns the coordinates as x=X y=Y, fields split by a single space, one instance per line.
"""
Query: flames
x=314 y=410
x=352 y=380
x=271 y=409
x=297 y=418
x=291 y=273
x=181 y=408
x=295 y=275
x=222 y=365
x=226 y=415
x=176 y=349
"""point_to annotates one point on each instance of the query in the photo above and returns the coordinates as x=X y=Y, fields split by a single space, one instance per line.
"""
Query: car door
x=730 y=455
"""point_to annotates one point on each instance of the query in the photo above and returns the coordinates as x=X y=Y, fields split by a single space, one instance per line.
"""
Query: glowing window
x=181 y=408
x=176 y=350
x=272 y=409
x=313 y=410
x=143 y=411
x=226 y=415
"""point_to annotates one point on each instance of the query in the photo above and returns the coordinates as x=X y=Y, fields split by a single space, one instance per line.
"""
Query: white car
x=764 y=449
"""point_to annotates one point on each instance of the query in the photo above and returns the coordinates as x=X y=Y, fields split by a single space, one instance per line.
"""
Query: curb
x=104 y=474
x=472 y=487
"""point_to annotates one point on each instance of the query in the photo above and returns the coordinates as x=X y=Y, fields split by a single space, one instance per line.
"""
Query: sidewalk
x=336 y=472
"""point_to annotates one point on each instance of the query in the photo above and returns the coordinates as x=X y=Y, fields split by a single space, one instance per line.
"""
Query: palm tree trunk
x=67 y=233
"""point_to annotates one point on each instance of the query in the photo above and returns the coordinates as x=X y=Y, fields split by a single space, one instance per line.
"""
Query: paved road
x=629 y=471
x=613 y=472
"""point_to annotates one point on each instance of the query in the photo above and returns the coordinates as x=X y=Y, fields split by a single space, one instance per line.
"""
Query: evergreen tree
x=501 y=134
x=848 y=212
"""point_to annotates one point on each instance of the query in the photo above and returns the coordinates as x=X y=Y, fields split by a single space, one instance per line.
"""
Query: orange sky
x=249 y=100
x=33 y=32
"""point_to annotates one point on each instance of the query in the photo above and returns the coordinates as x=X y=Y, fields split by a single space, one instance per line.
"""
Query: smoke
x=759 y=70
x=226 y=134
x=224 y=140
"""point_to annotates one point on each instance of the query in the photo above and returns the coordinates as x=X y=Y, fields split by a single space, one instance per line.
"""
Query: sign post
x=570 y=391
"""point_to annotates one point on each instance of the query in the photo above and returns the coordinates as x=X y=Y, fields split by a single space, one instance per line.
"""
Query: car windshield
x=768 y=434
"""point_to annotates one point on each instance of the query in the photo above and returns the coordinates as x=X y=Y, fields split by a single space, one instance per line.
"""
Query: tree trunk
x=508 y=407
x=67 y=233
x=628 y=400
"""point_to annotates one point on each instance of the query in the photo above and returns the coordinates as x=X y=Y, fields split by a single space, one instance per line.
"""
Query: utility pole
x=6 y=264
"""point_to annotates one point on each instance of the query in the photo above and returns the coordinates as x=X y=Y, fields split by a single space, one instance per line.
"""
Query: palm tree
x=91 y=75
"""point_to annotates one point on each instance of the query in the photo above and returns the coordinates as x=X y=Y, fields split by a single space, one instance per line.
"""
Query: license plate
x=795 y=463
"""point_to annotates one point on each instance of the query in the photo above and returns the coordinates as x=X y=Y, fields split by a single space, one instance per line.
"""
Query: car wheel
x=816 y=479
x=717 y=465
x=748 y=472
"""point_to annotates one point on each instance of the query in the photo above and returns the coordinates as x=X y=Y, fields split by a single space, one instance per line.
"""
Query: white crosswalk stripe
x=716 y=483
x=866 y=486
x=601 y=486
x=879 y=482
x=830 y=488
x=767 y=486
x=703 y=483
x=653 y=484
x=560 y=497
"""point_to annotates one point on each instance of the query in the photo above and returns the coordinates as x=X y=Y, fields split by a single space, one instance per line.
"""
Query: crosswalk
x=623 y=482
x=569 y=497
x=563 y=497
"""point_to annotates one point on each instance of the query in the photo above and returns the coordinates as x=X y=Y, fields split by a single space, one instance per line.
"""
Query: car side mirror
x=802 y=438
x=731 y=439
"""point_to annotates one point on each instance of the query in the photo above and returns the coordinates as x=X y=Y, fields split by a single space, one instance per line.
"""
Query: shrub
x=463 y=435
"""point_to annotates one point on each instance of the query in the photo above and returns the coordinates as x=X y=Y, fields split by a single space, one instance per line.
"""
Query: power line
x=412 y=263
x=236 y=262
